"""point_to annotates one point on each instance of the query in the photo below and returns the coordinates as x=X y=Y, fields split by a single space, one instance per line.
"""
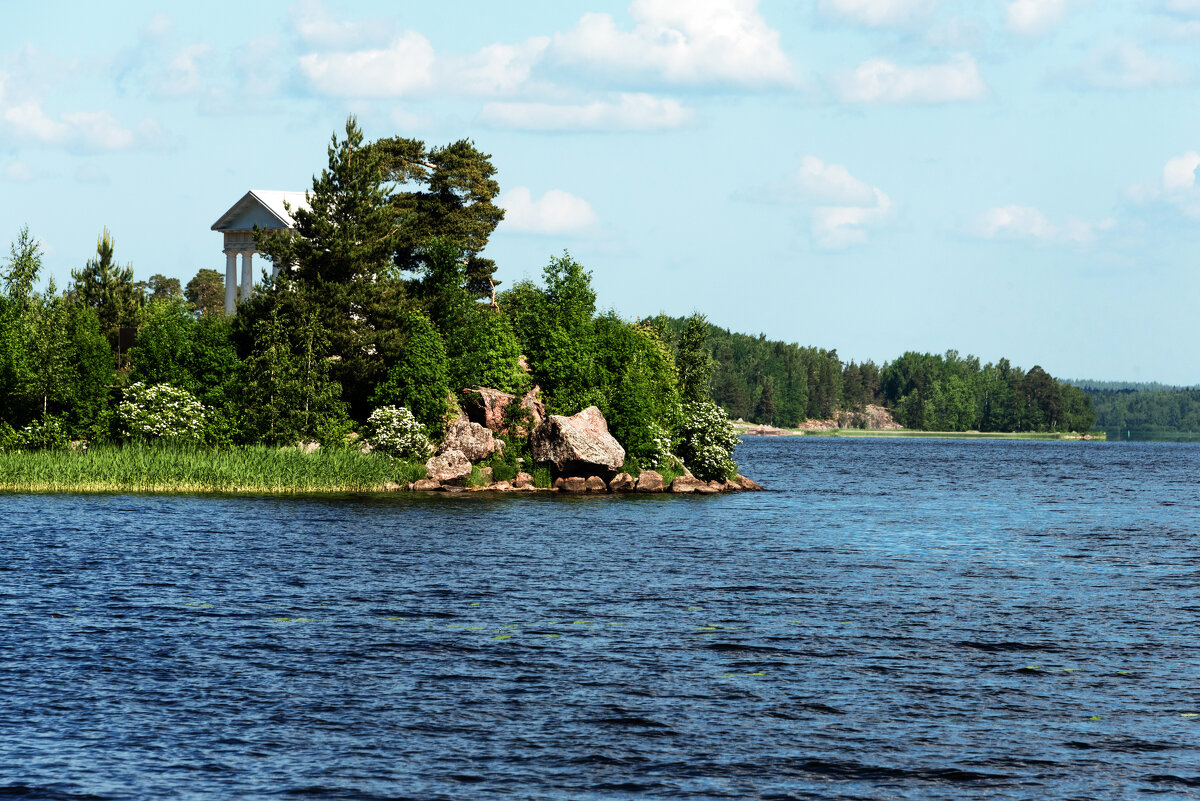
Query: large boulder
x=579 y=445
x=448 y=467
x=470 y=439
x=623 y=482
x=488 y=408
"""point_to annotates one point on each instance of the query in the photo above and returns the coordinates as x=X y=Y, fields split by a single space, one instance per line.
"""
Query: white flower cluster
x=660 y=445
x=161 y=411
x=394 y=431
x=708 y=440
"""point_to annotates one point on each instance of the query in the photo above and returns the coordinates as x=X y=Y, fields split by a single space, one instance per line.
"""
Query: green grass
x=163 y=468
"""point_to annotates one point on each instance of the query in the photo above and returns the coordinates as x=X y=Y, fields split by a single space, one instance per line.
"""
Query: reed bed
x=166 y=468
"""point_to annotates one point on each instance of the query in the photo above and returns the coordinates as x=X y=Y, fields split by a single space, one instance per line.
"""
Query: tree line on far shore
x=777 y=383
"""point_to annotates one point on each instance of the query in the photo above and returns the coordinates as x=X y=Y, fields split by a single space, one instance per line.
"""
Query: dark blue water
x=898 y=619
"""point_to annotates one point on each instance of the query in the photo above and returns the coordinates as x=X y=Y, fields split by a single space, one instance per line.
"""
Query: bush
x=161 y=412
x=393 y=430
x=46 y=433
x=708 y=441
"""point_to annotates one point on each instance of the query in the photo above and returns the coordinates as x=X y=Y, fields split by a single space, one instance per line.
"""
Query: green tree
x=107 y=288
x=418 y=378
x=206 y=292
x=159 y=287
x=340 y=260
x=49 y=378
x=451 y=197
x=162 y=355
x=637 y=384
x=693 y=360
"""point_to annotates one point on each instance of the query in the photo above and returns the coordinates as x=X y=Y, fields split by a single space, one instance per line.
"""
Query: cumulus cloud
x=316 y=28
x=1176 y=187
x=78 y=130
x=1125 y=66
x=843 y=208
x=1029 y=223
x=630 y=112
x=496 y=70
x=687 y=42
x=1034 y=17
x=555 y=212
x=881 y=81
x=878 y=13
x=183 y=73
x=402 y=68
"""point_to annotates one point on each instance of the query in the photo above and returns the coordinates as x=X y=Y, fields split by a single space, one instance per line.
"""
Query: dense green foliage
x=770 y=382
x=1146 y=411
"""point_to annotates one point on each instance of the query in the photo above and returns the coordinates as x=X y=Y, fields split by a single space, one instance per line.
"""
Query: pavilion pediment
x=262 y=208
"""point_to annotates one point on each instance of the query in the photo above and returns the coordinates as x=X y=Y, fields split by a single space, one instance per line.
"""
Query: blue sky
x=1008 y=178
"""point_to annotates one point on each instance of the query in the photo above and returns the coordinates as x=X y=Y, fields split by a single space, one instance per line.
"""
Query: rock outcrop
x=622 y=482
x=488 y=407
x=470 y=439
x=579 y=445
x=449 y=467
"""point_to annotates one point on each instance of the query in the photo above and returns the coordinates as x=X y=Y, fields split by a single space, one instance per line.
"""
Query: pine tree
x=107 y=288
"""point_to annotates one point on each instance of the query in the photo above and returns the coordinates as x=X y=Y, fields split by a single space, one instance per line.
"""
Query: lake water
x=905 y=619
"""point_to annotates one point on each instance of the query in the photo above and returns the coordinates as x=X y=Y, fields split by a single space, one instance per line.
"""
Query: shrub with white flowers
x=708 y=441
x=660 y=444
x=394 y=431
x=161 y=411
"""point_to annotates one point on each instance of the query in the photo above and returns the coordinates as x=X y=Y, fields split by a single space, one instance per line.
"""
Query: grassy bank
x=157 y=468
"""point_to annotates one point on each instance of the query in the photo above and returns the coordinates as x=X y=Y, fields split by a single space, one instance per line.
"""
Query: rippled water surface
x=897 y=619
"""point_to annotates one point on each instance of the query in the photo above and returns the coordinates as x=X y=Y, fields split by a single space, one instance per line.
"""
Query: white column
x=247 y=276
x=230 y=281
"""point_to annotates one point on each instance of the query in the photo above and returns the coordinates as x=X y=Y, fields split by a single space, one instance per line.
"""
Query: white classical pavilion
x=261 y=207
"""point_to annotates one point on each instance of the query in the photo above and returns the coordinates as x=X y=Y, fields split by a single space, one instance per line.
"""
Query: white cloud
x=182 y=75
x=881 y=81
x=316 y=28
x=1186 y=8
x=1176 y=188
x=79 y=130
x=1126 y=66
x=19 y=172
x=878 y=13
x=844 y=208
x=680 y=42
x=831 y=183
x=403 y=68
x=1179 y=173
x=631 y=112
x=1029 y=223
x=555 y=212
x=1035 y=17
x=496 y=70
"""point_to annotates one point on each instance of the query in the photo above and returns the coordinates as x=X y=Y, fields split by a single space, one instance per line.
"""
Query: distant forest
x=777 y=383
x=1146 y=411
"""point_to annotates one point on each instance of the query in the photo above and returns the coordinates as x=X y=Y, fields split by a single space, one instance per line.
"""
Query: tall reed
x=175 y=468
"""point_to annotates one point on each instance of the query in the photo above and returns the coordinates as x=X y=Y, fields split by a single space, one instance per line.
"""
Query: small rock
x=391 y=486
x=572 y=484
x=595 y=484
x=687 y=484
x=748 y=484
x=502 y=486
x=448 y=467
x=426 y=485
x=523 y=481
x=623 y=482
x=650 y=481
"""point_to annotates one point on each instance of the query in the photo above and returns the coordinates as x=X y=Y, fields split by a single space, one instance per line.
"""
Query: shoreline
x=752 y=430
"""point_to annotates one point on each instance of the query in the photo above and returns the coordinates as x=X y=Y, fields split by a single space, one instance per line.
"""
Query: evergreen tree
x=107 y=288
x=452 y=199
x=418 y=378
